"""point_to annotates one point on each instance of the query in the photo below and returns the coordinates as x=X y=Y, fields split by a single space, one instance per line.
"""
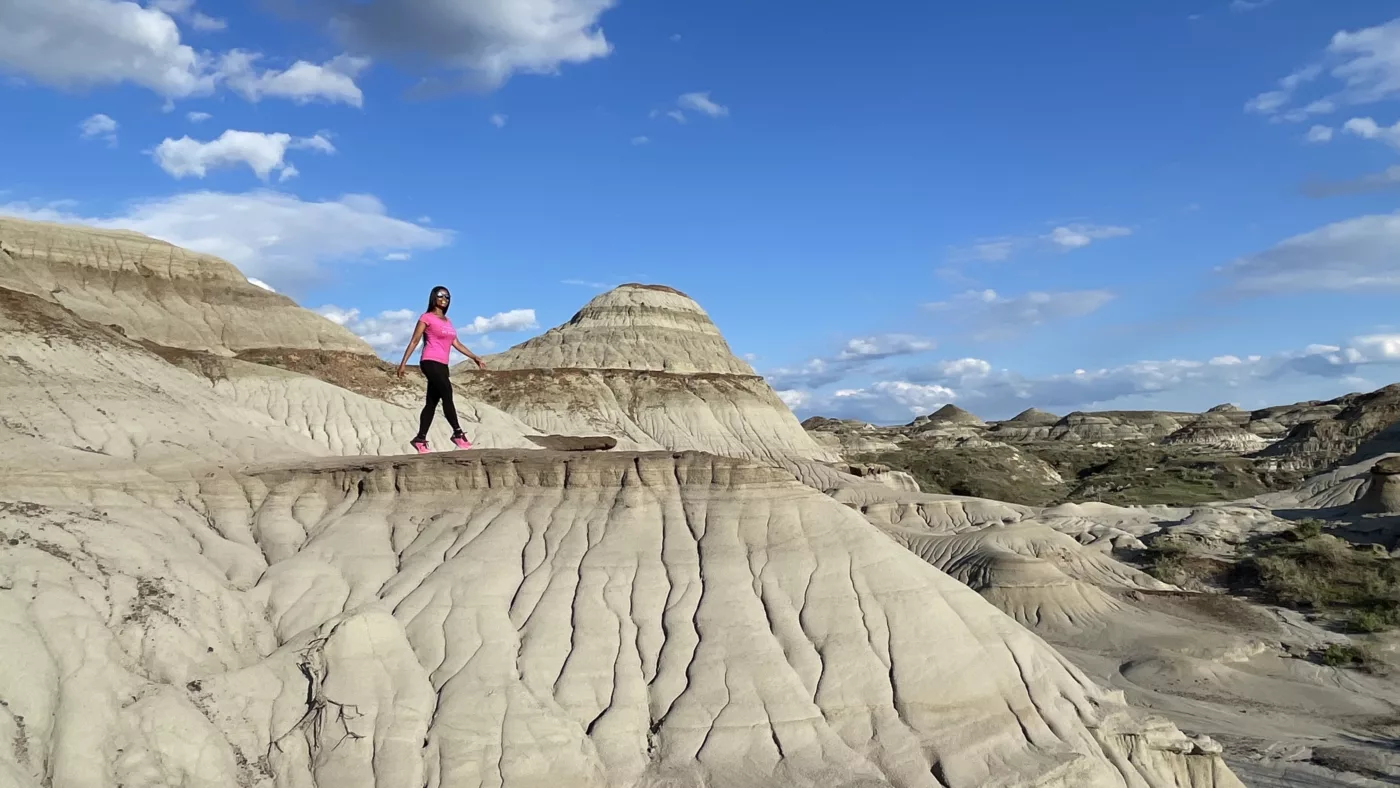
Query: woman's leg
x=425 y=419
x=449 y=408
x=439 y=390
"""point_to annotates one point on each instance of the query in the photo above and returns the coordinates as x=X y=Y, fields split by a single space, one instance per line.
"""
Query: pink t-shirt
x=437 y=337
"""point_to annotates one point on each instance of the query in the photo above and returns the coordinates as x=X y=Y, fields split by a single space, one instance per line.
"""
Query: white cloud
x=975 y=385
x=514 y=320
x=855 y=355
x=263 y=153
x=184 y=9
x=883 y=346
x=1368 y=129
x=387 y=332
x=640 y=140
x=1077 y=236
x=1063 y=238
x=1319 y=134
x=83 y=43
x=499 y=121
x=261 y=283
x=198 y=117
x=303 y=82
x=486 y=42
x=100 y=126
x=585 y=283
x=77 y=44
x=271 y=236
x=1241 y=6
x=1355 y=254
x=999 y=317
x=794 y=399
x=700 y=102
x=1365 y=63
x=675 y=37
x=397 y=257
x=1388 y=178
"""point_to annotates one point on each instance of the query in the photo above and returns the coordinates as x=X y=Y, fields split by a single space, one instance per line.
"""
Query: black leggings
x=439 y=390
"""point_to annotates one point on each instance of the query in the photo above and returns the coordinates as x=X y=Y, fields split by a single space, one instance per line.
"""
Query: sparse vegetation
x=1311 y=570
x=1129 y=473
x=1183 y=563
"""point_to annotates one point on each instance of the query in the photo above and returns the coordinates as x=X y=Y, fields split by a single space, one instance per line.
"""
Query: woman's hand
x=479 y=363
x=399 y=372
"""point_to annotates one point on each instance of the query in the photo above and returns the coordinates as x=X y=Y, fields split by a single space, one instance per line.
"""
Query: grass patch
x=1309 y=570
x=1183 y=563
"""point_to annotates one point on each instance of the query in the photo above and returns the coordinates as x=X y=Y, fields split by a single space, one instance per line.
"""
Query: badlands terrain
x=219 y=567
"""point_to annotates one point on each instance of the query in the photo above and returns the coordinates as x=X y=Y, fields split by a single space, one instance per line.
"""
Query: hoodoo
x=644 y=363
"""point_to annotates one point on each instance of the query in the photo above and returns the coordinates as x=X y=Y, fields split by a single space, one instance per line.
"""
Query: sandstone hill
x=153 y=291
x=643 y=363
x=217 y=568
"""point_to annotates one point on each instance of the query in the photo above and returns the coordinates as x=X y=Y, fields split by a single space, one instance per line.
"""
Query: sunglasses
x=443 y=297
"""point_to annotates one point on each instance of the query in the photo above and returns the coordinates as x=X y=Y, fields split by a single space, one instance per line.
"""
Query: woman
x=439 y=339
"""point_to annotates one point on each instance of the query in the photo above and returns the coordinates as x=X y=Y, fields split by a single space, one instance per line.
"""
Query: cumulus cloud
x=77 y=44
x=269 y=235
x=1365 y=65
x=389 y=331
x=994 y=316
x=1063 y=238
x=85 y=43
x=498 y=120
x=700 y=102
x=303 y=82
x=976 y=385
x=198 y=117
x=485 y=42
x=856 y=354
x=1078 y=236
x=1355 y=254
x=99 y=126
x=514 y=320
x=1388 y=178
x=1319 y=133
x=186 y=12
x=263 y=153
x=1368 y=129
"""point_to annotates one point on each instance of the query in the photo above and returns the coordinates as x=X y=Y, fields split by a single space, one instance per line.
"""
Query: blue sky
x=1070 y=206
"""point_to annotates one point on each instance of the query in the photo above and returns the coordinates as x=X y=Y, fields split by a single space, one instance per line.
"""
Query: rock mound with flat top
x=633 y=326
x=155 y=292
x=646 y=365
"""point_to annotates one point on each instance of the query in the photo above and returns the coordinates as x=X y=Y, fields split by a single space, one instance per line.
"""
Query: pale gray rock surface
x=157 y=292
x=207 y=578
x=644 y=364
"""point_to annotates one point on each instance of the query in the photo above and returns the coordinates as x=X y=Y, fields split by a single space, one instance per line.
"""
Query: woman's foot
x=460 y=441
x=420 y=444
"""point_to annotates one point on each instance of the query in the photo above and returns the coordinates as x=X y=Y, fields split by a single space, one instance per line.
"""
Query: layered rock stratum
x=646 y=364
x=216 y=572
x=218 y=568
x=154 y=291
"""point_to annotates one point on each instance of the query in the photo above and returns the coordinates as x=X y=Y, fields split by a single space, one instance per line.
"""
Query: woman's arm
x=412 y=343
x=464 y=350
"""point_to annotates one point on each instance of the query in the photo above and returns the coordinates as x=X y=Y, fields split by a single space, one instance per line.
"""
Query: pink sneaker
x=420 y=445
x=460 y=441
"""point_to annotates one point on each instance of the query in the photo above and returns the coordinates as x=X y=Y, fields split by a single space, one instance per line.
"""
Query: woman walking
x=439 y=340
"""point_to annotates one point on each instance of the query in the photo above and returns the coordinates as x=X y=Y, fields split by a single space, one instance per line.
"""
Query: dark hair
x=432 y=298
